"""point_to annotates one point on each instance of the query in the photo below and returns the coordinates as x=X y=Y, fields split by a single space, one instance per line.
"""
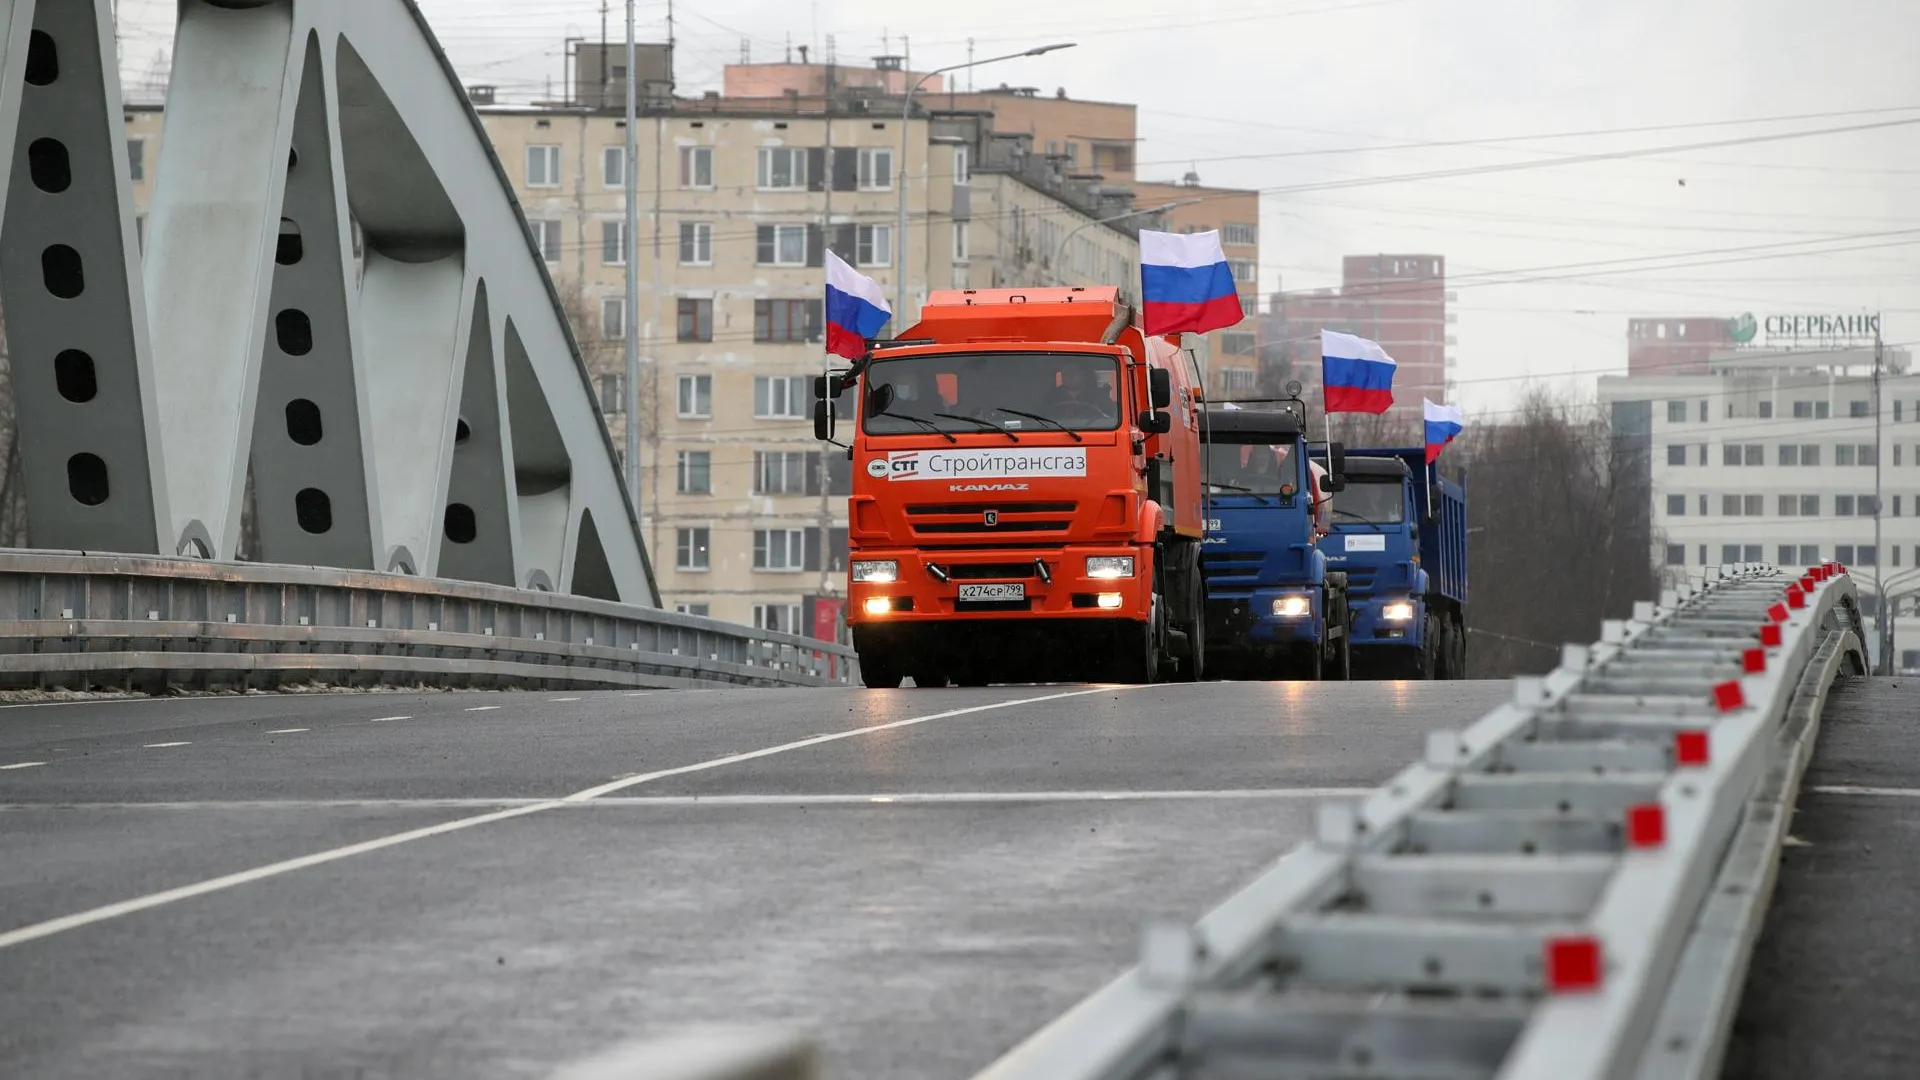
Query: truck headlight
x=1109 y=566
x=1398 y=611
x=876 y=571
x=1293 y=607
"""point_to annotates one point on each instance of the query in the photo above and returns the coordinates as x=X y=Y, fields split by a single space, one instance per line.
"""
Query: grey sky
x=1260 y=94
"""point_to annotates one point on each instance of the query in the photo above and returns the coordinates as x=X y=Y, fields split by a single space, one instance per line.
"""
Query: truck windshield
x=1253 y=470
x=1377 y=502
x=974 y=392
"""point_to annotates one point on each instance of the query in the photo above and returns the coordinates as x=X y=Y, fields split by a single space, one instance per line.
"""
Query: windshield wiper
x=922 y=421
x=1343 y=512
x=1042 y=419
x=1237 y=487
x=977 y=420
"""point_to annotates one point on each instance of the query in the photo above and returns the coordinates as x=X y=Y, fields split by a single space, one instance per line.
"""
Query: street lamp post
x=906 y=113
x=1060 y=253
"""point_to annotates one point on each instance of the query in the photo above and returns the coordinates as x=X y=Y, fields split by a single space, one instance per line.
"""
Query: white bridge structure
x=338 y=291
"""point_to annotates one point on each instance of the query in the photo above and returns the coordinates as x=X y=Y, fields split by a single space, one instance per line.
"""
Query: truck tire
x=1459 y=647
x=1344 y=672
x=929 y=679
x=880 y=673
x=1427 y=660
x=1136 y=656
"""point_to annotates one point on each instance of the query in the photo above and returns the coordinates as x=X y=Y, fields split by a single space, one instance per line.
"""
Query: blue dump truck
x=1275 y=607
x=1400 y=536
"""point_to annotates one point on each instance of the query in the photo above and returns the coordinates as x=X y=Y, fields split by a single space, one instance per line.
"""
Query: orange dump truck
x=1027 y=500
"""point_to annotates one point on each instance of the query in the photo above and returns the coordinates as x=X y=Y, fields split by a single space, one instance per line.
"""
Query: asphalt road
x=489 y=885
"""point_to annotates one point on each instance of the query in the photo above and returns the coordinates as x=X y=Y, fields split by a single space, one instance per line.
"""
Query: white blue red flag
x=1356 y=374
x=856 y=309
x=1443 y=423
x=1186 y=286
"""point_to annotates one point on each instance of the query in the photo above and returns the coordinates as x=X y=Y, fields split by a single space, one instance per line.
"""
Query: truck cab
x=1399 y=535
x=1275 y=606
x=1026 y=494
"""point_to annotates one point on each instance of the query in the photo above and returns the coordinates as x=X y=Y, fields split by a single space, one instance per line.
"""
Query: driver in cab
x=1080 y=396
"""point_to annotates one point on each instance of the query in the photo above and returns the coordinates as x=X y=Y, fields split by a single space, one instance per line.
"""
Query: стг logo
x=876 y=467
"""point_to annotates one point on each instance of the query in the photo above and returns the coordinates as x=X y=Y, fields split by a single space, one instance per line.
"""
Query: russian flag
x=1186 y=285
x=856 y=309
x=1355 y=374
x=1443 y=423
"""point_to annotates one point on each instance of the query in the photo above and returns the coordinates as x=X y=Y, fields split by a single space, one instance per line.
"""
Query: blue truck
x=1400 y=535
x=1275 y=606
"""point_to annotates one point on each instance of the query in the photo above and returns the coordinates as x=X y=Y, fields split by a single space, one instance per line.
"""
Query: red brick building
x=1668 y=345
x=1399 y=301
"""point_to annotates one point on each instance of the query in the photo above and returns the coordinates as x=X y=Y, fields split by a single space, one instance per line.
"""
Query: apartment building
x=1398 y=300
x=1777 y=456
x=744 y=511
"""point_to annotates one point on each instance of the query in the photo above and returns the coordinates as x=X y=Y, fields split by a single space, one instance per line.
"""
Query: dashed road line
x=288 y=731
x=136 y=904
x=559 y=699
x=384 y=719
x=21 y=765
x=164 y=745
x=483 y=708
x=1850 y=789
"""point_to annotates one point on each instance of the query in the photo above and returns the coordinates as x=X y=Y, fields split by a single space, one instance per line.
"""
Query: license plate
x=992 y=592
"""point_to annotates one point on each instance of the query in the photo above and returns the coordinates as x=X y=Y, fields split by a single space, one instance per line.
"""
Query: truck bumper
x=1373 y=630
x=1257 y=622
x=1000 y=587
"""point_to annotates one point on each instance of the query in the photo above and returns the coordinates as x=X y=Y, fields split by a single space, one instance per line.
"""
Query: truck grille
x=948 y=519
x=1360 y=581
x=990 y=571
x=1229 y=573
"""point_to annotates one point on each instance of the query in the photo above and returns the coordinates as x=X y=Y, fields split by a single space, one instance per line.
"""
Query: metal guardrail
x=83 y=621
x=1518 y=904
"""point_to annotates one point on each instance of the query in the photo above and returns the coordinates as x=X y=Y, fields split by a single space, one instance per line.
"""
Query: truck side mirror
x=1336 y=466
x=879 y=398
x=1159 y=387
x=820 y=389
x=823 y=420
x=1154 y=422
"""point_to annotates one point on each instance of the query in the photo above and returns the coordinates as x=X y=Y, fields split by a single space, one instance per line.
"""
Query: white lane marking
x=164 y=745
x=201 y=888
x=643 y=801
x=565 y=699
x=801 y=744
x=1848 y=789
x=288 y=730
x=643 y=693
x=384 y=719
x=21 y=765
x=483 y=708
x=186 y=892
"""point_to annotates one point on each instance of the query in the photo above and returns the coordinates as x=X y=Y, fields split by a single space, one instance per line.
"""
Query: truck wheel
x=1137 y=659
x=1344 y=672
x=1428 y=657
x=929 y=679
x=1459 y=648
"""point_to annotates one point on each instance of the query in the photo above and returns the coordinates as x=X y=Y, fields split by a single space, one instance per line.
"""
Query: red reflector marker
x=1646 y=825
x=1727 y=696
x=1754 y=660
x=1573 y=964
x=1796 y=598
x=1770 y=635
x=1807 y=583
x=1690 y=747
x=1778 y=613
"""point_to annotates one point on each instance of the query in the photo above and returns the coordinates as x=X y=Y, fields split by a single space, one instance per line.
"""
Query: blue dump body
x=1273 y=601
x=1400 y=534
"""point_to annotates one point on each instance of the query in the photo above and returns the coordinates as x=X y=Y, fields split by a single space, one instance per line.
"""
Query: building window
x=1787 y=552
x=1789 y=454
x=1810 y=554
x=1730 y=454
x=696 y=243
x=873 y=245
x=779 y=549
x=1703 y=453
x=696 y=166
x=783 y=472
x=1237 y=344
x=960 y=249
x=546 y=237
x=1809 y=454
x=782 y=168
x=780 y=245
x=1865 y=555
x=696 y=397
x=1676 y=455
x=1245 y=271
x=1677 y=505
x=1234 y=380
x=1843 y=506
x=695 y=472
x=136 y=159
x=1756 y=454
x=777 y=618
x=1896 y=506
x=1729 y=553
x=613 y=243
x=613 y=318
x=1867 y=454
x=962 y=166
x=1809 y=506
x=543 y=166
x=611 y=172
x=695 y=319
x=1730 y=505
x=1676 y=554
x=1789 y=506
x=779 y=397
x=785 y=320
x=876 y=168
x=1703 y=554
x=1703 y=412
x=1842 y=553
x=1858 y=409
x=1755 y=506
x=1766 y=410
x=701 y=610
x=1249 y=305
x=613 y=397
x=1896 y=454
x=691 y=548
x=1676 y=412
x=1703 y=506
x=1237 y=233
